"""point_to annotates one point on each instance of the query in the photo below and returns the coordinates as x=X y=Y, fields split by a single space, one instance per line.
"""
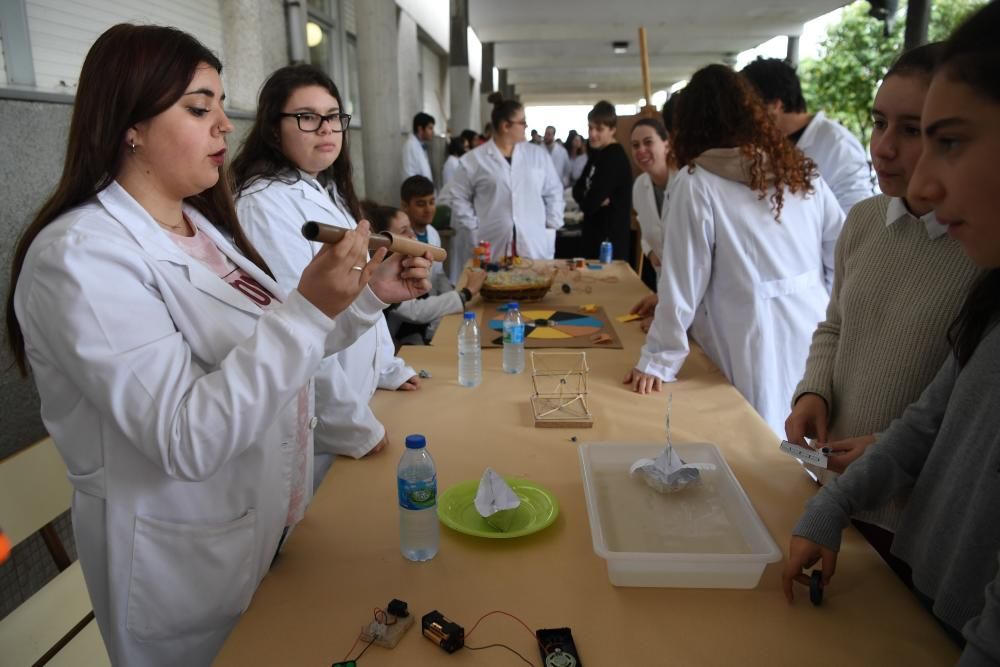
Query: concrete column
x=458 y=68
x=793 y=51
x=918 y=14
x=505 y=89
x=243 y=43
x=485 y=86
x=378 y=76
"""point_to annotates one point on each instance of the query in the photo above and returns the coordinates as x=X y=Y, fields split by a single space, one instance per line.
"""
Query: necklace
x=181 y=229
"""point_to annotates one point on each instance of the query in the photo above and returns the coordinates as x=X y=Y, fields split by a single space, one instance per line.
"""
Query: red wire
x=351 y=650
x=499 y=611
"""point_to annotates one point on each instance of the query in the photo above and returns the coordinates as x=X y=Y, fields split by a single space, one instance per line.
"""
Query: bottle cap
x=513 y=306
x=415 y=441
x=469 y=315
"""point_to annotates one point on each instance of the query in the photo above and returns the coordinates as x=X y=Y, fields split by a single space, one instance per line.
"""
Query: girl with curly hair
x=747 y=249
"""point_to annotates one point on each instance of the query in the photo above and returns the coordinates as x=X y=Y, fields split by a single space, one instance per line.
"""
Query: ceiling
x=559 y=51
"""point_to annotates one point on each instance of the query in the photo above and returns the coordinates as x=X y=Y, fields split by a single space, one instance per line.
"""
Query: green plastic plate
x=538 y=509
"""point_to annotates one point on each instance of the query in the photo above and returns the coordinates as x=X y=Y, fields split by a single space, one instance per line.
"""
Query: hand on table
x=646 y=306
x=845 y=452
x=411 y=384
x=803 y=554
x=646 y=324
x=642 y=383
x=808 y=420
x=382 y=444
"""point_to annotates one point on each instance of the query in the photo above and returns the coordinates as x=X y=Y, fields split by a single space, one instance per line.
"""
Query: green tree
x=856 y=54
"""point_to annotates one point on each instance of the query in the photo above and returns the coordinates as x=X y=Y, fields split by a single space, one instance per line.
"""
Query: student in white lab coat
x=413 y=322
x=839 y=156
x=415 y=162
x=747 y=249
x=174 y=373
x=295 y=166
x=507 y=191
x=650 y=151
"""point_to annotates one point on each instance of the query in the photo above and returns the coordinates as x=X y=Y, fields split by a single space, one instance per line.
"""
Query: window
x=334 y=51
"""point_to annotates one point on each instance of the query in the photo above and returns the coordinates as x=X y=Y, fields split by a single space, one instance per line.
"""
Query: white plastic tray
x=708 y=536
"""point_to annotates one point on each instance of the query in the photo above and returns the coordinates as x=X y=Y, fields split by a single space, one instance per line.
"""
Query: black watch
x=465 y=295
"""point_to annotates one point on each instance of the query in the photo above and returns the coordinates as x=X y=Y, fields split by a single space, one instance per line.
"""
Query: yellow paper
x=628 y=318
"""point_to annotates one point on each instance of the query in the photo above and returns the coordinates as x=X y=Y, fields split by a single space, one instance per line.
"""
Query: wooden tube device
x=317 y=231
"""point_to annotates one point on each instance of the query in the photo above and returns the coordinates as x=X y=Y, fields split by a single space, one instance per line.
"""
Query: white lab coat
x=560 y=159
x=651 y=221
x=172 y=399
x=272 y=213
x=840 y=158
x=490 y=198
x=415 y=162
x=751 y=289
x=448 y=169
x=462 y=240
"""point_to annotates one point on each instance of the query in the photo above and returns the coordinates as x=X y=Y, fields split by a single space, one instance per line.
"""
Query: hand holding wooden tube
x=317 y=231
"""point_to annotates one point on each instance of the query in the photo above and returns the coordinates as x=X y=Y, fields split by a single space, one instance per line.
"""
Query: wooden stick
x=317 y=231
x=647 y=87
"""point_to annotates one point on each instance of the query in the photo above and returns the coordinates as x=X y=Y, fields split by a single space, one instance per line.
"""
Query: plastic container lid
x=513 y=305
x=469 y=315
x=415 y=441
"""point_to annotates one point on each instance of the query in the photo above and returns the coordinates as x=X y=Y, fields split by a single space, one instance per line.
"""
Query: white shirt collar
x=897 y=211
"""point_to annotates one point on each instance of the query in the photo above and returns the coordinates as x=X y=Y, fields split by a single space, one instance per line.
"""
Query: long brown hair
x=131 y=74
x=719 y=109
x=261 y=157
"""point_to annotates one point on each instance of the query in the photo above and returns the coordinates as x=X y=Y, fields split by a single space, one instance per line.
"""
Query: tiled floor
x=30 y=567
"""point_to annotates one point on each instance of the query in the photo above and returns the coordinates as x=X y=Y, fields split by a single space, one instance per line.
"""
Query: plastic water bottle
x=513 y=340
x=416 y=481
x=470 y=357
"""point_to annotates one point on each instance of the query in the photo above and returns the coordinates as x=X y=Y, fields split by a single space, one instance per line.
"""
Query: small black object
x=557 y=647
x=445 y=633
x=816 y=588
x=566 y=288
x=573 y=439
x=398 y=608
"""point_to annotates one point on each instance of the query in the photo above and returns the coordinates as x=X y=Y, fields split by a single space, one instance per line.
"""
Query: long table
x=343 y=559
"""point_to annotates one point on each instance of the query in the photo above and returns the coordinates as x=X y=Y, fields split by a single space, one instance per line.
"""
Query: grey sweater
x=945 y=449
x=895 y=291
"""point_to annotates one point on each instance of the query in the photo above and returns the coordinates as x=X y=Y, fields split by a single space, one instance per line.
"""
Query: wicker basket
x=515 y=292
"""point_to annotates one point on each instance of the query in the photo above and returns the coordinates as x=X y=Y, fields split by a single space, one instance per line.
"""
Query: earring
x=131 y=145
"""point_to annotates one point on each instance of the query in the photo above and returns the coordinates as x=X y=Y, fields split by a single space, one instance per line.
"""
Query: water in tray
x=635 y=518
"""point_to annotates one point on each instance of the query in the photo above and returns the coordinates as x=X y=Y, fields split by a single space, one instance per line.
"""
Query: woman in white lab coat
x=174 y=373
x=747 y=249
x=650 y=149
x=295 y=166
x=507 y=191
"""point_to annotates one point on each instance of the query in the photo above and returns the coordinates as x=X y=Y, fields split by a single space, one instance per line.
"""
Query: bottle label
x=513 y=333
x=420 y=495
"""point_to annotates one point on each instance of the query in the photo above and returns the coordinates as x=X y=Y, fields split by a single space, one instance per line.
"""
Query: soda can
x=606 y=252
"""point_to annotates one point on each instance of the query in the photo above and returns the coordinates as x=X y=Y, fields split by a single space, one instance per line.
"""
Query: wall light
x=314 y=34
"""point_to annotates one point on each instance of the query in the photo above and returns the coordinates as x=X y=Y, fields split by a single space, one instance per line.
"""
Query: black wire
x=480 y=648
x=365 y=649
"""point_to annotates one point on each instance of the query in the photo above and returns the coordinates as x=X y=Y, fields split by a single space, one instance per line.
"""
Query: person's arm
x=602 y=184
x=459 y=195
x=688 y=243
x=393 y=370
x=552 y=196
x=580 y=186
x=345 y=423
x=818 y=378
x=833 y=225
x=983 y=631
x=428 y=309
x=91 y=304
x=893 y=463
